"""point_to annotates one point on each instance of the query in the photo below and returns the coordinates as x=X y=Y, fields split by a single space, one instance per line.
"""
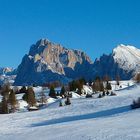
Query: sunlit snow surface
x=108 y=118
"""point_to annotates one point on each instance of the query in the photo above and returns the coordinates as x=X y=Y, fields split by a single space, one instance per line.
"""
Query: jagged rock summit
x=47 y=62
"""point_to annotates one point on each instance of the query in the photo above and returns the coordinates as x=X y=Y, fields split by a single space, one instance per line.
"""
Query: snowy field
x=108 y=118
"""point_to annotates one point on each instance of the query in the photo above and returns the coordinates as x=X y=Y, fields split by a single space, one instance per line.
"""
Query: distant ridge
x=48 y=62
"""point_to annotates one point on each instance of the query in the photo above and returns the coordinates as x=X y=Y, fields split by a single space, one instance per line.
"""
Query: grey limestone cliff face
x=48 y=62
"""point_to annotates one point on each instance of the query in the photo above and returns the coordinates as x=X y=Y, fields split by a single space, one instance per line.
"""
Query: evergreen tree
x=103 y=93
x=82 y=81
x=31 y=97
x=101 y=86
x=23 y=90
x=4 y=106
x=72 y=85
x=5 y=93
x=62 y=92
x=108 y=86
x=12 y=101
x=6 y=90
x=79 y=86
x=67 y=102
x=25 y=97
x=100 y=96
x=98 y=84
x=52 y=92
x=107 y=92
x=118 y=79
x=90 y=82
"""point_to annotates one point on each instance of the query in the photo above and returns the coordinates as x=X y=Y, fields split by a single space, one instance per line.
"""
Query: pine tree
x=52 y=92
x=62 y=92
x=118 y=79
x=12 y=101
x=23 y=90
x=79 y=86
x=107 y=92
x=6 y=90
x=108 y=86
x=82 y=81
x=90 y=82
x=103 y=93
x=67 y=102
x=100 y=96
x=101 y=86
x=31 y=97
x=72 y=85
x=25 y=97
x=98 y=84
x=4 y=106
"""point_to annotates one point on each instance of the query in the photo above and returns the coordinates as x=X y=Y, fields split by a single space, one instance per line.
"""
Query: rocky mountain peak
x=128 y=57
x=42 y=42
x=47 y=56
x=56 y=56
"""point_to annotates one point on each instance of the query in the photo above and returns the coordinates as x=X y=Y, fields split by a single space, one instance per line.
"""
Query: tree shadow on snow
x=99 y=114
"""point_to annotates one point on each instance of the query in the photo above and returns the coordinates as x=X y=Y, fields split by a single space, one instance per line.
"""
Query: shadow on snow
x=99 y=114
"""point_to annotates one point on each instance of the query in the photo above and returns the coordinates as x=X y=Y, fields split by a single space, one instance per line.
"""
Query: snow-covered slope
x=86 y=119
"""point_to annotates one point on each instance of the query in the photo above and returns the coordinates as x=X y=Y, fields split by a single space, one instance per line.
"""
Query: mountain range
x=48 y=62
x=7 y=75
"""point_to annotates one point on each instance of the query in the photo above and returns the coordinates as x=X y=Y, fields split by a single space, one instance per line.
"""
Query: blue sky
x=94 y=26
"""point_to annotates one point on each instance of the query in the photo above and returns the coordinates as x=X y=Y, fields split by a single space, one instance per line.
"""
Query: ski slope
x=108 y=118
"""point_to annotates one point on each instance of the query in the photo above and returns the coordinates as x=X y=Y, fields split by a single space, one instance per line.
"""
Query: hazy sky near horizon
x=94 y=26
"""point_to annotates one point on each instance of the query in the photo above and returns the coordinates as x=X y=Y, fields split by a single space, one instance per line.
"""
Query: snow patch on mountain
x=128 y=57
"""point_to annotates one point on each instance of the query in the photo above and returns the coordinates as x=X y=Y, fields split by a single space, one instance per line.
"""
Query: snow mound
x=75 y=95
x=87 y=89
